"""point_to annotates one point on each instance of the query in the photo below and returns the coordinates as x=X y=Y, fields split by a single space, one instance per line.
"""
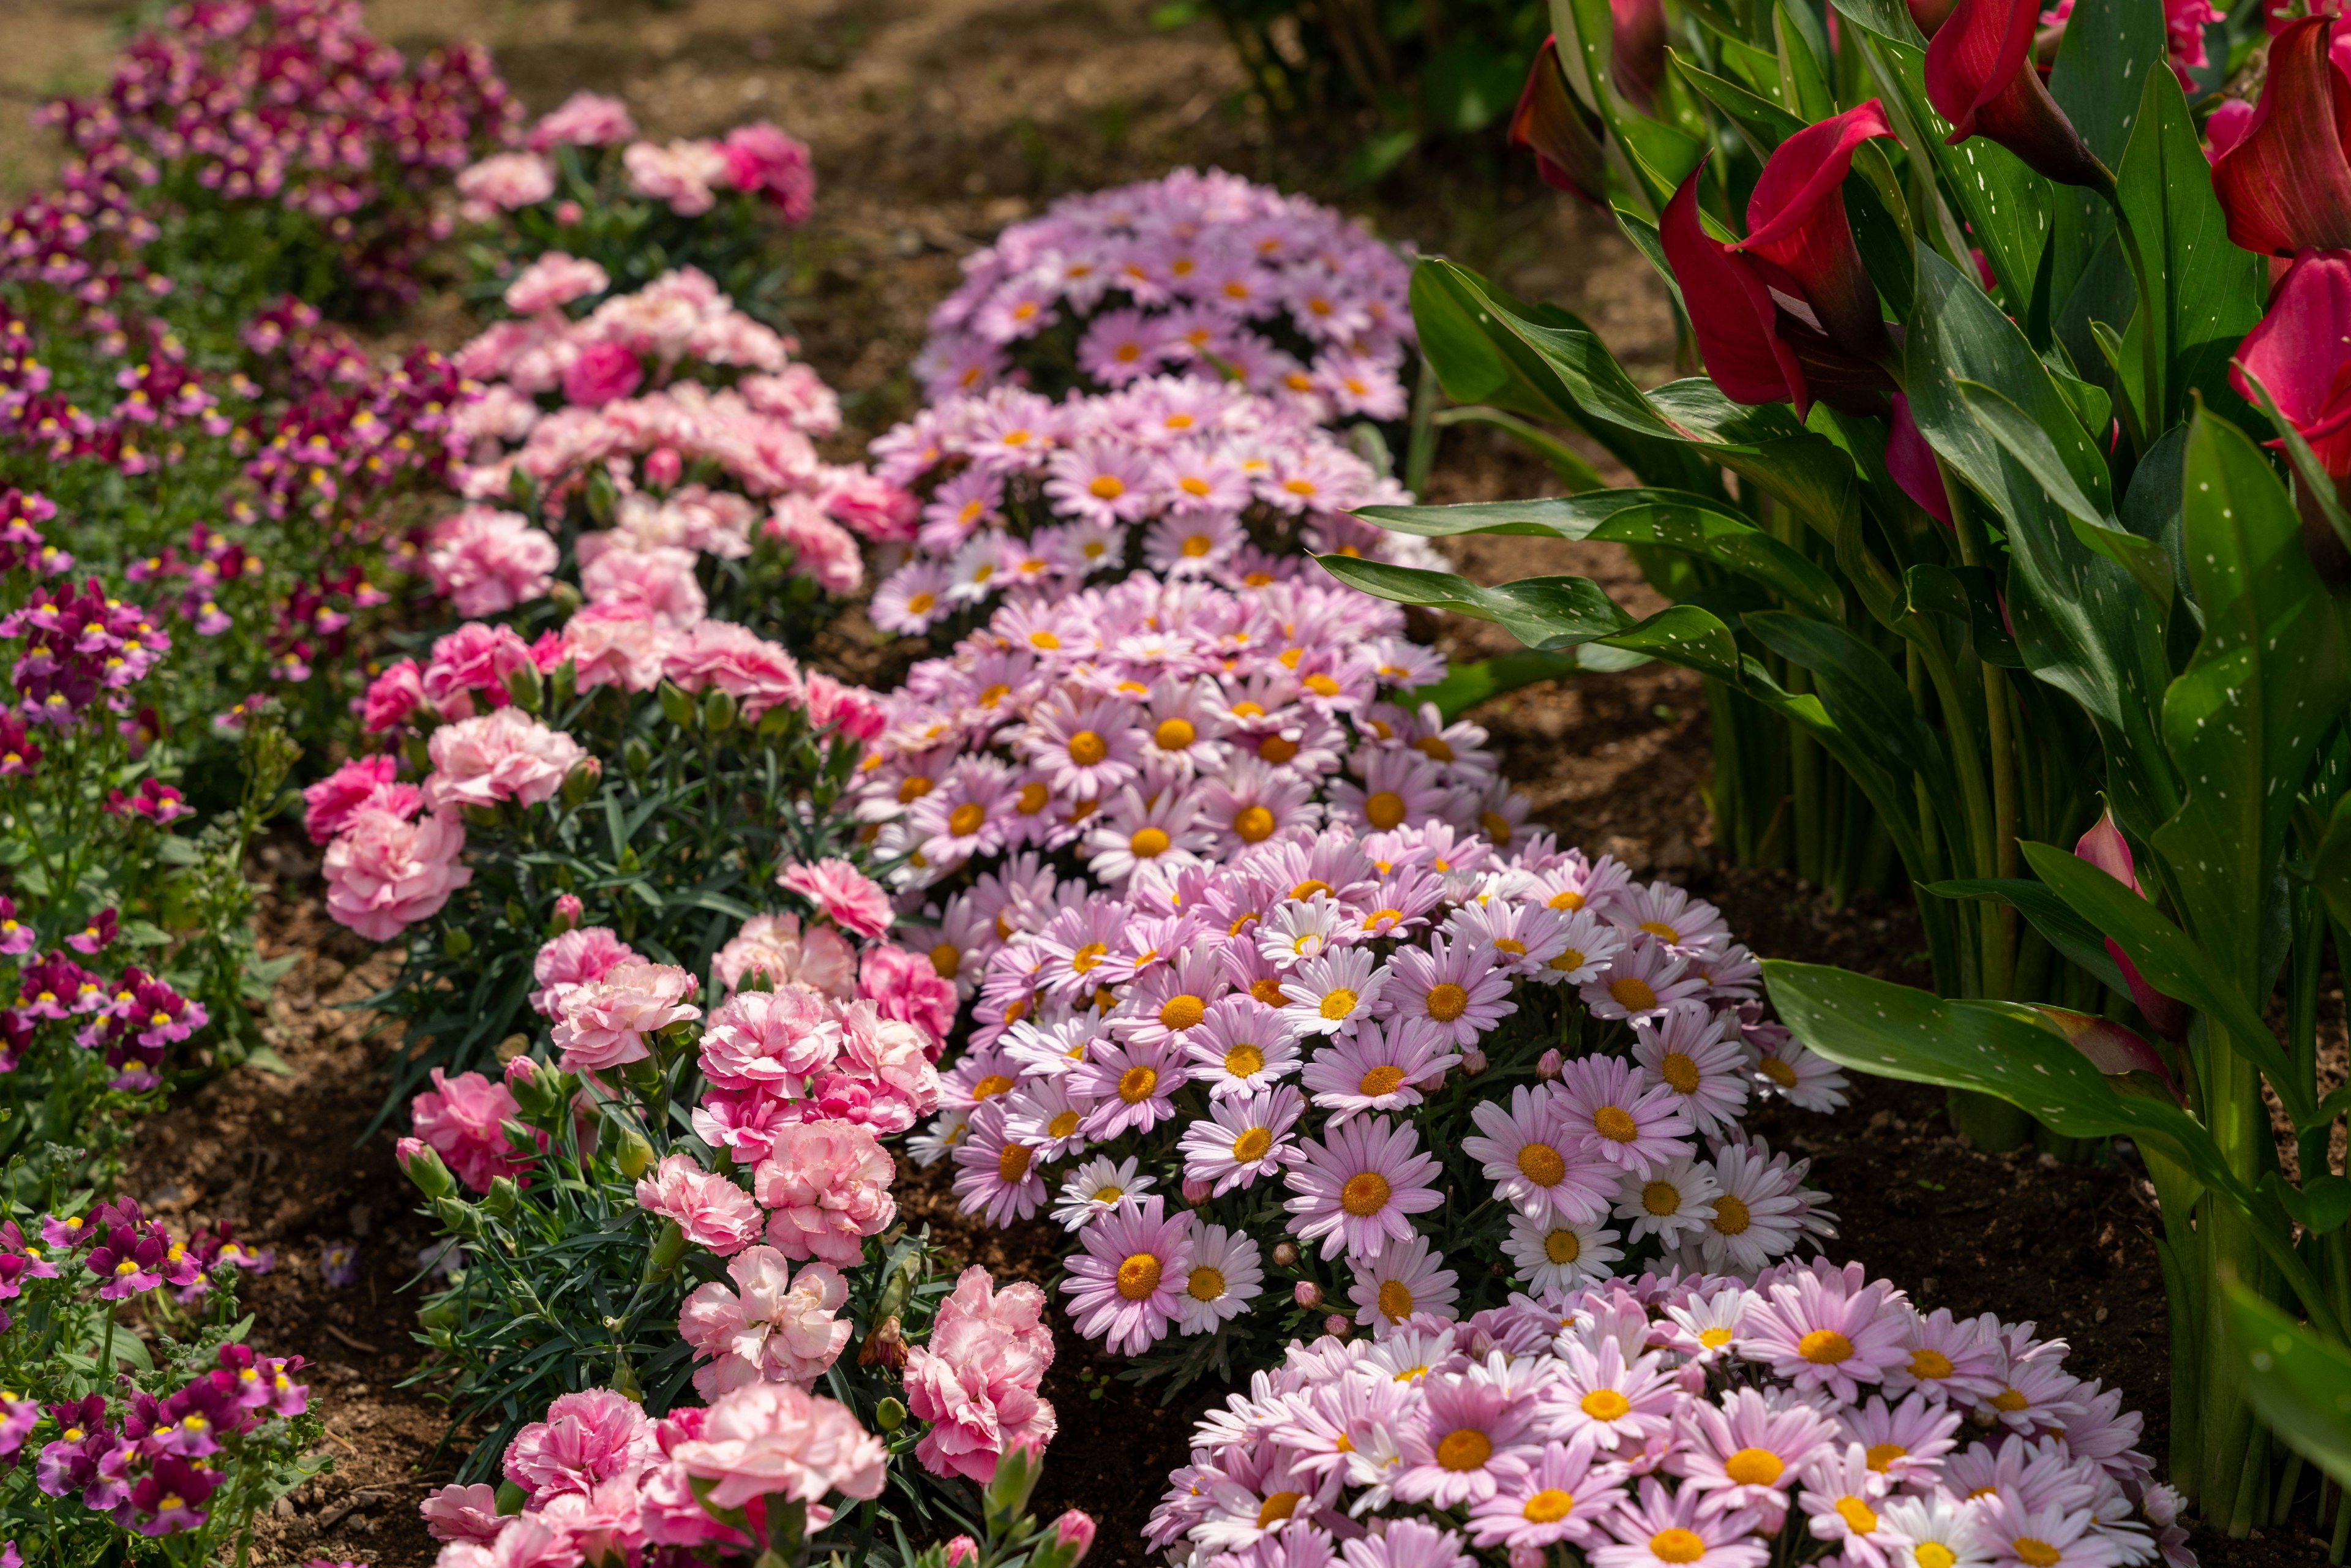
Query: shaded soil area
x=933 y=123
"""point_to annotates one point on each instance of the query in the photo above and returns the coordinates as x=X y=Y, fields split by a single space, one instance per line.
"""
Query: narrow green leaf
x=2094 y=522
x=2082 y=944
x=2299 y=1383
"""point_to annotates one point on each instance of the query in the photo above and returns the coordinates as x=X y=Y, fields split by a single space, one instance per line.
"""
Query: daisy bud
x=1285 y=1255
x=1473 y=1063
x=1307 y=1294
x=1548 y=1068
x=1196 y=1190
x=1336 y=1325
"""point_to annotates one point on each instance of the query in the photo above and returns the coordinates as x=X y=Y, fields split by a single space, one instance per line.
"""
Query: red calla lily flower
x=1981 y=77
x=1564 y=139
x=2285 y=181
x=2104 y=847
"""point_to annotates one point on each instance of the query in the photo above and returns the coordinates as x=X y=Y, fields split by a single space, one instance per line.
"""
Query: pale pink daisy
x=1130 y=1083
x=1357 y=1186
x=1335 y=992
x=1760 y=1213
x=1588 y=945
x=1747 y=1449
x=1455 y=989
x=1617 y=1404
x=1379 y=1068
x=1555 y=1254
x=1534 y=1159
x=1673 y=1198
x=995 y=1176
x=1407 y=1281
x=1840 y=1503
x=1042 y=1113
x=1805 y=1080
x=1691 y=1050
x=2051 y=1536
x=1686 y=926
x=1132 y=833
x=1905 y=1442
x=1096 y=1187
x=1124 y=1288
x=1563 y=1496
x=1473 y=1436
x=1614 y=1116
x=1517 y=939
x=1226 y=1275
x=1641 y=982
x=1948 y=1357
x=1663 y=1529
x=2036 y=1394
x=1826 y=1330
x=1242 y=1140
x=1293 y=931
x=1241 y=1047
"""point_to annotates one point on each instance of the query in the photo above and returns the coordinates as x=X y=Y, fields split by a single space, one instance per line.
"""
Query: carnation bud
x=634 y=1156
x=1549 y=1066
x=419 y=757
x=636 y=757
x=581 y=781
x=1073 y=1537
x=675 y=705
x=458 y=1217
x=568 y=912
x=1473 y=1063
x=890 y=1415
x=563 y=684
x=523 y=685
x=603 y=495
x=663 y=466
x=718 y=710
x=1307 y=1294
x=522 y=488
x=667 y=1248
x=1007 y=1492
x=503 y=1197
x=885 y=1347
x=1196 y=1190
x=1285 y=1254
x=422 y=1164
x=568 y=213
x=1336 y=1325
x=565 y=598
x=457 y=942
x=961 y=1550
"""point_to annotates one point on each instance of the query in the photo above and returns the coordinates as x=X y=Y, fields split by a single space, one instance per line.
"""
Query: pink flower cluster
x=464 y=1120
x=976 y=1379
x=687 y=176
x=152 y=1469
x=603 y=1481
x=1200 y=273
x=1194 y=480
x=1679 y=1419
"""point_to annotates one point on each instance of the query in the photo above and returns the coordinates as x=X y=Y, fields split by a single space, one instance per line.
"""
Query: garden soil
x=933 y=123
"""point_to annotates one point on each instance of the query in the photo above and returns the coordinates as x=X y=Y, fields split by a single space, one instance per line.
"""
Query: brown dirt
x=933 y=123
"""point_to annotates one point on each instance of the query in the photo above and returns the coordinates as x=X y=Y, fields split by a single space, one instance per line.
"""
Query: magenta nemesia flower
x=1356 y=1188
x=1124 y=1289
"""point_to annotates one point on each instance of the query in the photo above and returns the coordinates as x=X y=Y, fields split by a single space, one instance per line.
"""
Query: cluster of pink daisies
x=1202 y=274
x=697 y=414
x=1277 y=1039
x=1191 y=479
x=1679 y=1420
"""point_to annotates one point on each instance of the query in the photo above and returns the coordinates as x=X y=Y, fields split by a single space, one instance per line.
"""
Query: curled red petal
x=1729 y=307
x=2285 y=182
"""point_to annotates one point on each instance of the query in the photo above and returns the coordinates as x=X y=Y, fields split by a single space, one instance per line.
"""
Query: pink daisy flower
x=1130 y=1083
x=1905 y=1443
x=996 y=1177
x=1826 y=1330
x=1379 y=1068
x=1085 y=749
x=1642 y=982
x=1473 y=1436
x=1333 y=992
x=1450 y=987
x=1683 y=926
x=1241 y=1047
x=1616 y=1404
x=1534 y=1160
x=1242 y=1140
x=1692 y=1051
x=1124 y=1289
x=1406 y=1282
x=1614 y=1116
x=1562 y=1497
x=1100 y=481
x=2051 y=1536
x=1747 y=1450
x=1356 y=1188
x=1840 y=1501
x=1663 y=1530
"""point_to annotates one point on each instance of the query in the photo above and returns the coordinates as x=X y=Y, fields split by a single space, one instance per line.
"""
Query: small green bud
x=636 y=757
x=634 y=1156
x=602 y=497
x=676 y=705
x=455 y=942
x=581 y=781
x=503 y=1199
x=523 y=684
x=565 y=598
x=564 y=683
x=718 y=709
x=668 y=1248
x=511 y=1497
x=890 y=1415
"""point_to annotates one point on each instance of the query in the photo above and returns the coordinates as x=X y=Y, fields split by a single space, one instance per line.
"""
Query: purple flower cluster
x=78 y=645
x=1204 y=274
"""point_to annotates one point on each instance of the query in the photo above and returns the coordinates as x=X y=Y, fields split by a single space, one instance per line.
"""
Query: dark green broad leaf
x=1889 y=20
x=1969 y=594
x=2245 y=721
x=2208 y=294
x=2320 y=1206
x=2091 y=515
x=2001 y=1048
x=1466 y=686
x=1760 y=117
x=1479 y=341
x=1671 y=519
x=2173 y=962
x=2330 y=866
x=1660 y=155
x=2102 y=71
x=2084 y=624
x=2082 y=944
x=1863 y=694
x=2299 y=1383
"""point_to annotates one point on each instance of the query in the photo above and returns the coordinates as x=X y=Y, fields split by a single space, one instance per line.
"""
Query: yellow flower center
x=1033 y=796
x=1615 y=1124
x=1934 y=1555
x=1607 y=1404
x=1858 y=1516
x=1676 y=1546
x=920 y=603
x=1253 y=824
x=1278 y=1505
x=1183 y=1012
x=1251 y=1145
x=1932 y=1366
x=1395 y=1300
x=1138 y=1276
x=1135 y=1084
x=1541 y=1164
x=946 y=960
x=1381 y=1079
x=911 y=789
x=1679 y=1071
x=1339 y=1003
x=1242 y=1060
x=1464 y=1449
x=1661 y=931
x=989 y=1087
x=1365 y=1194
x=1548 y=1506
x=1754 y=1466
x=1825 y=1347
x=1206 y=1284
x=1086 y=748
x=1567 y=960
x=1631 y=994
x=1108 y=486
x=1563 y=1246
x=1321 y=686
x=1730 y=1216
x=1062 y=1124
x=1148 y=844
x=2008 y=1400
x=1778 y=1072
x=1661 y=1198
x=1308 y=888
x=1084 y=960
x=1268 y=990
x=1715 y=1338
x=1882 y=1455
x=966 y=819
x=1383 y=809
x=1012 y=1164
x=1175 y=734
x=1277 y=749
x=1448 y=1001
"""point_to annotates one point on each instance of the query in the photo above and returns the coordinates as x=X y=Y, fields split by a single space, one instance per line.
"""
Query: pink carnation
x=820 y=546
x=656 y=583
x=872 y=505
x=769 y=1039
x=775 y=1438
x=571 y=960
x=462 y=1513
x=507 y=181
x=463 y=1119
x=884 y=1079
x=842 y=893
x=392 y=696
x=385 y=872
x=583 y=119
x=587 y=1439
x=615 y=644
x=763 y=161
x=977 y=1379
x=487 y=562
x=757 y=674
x=475 y=660
x=772 y=1327
x=907 y=986
x=553 y=281
x=504 y=755
x=713 y=1211
x=828 y=1186
x=601 y=373
x=855 y=711
x=681 y=174
x=329 y=803
x=605 y=1022
x=774 y=945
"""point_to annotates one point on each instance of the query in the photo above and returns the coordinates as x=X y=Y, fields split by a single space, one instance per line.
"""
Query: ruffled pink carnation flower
x=507 y=181
x=475 y=660
x=713 y=1211
x=601 y=373
x=770 y=1039
x=681 y=174
x=463 y=1119
x=503 y=756
x=842 y=893
x=756 y=673
x=614 y=645
x=329 y=804
x=906 y=985
x=605 y=1022
x=820 y=546
x=462 y=1513
x=487 y=562
x=775 y=1438
x=657 y=583
x=774 y=945
x=571 y=960
x=392 y=696
x=553 y=281
x=583 y=119
x=772 y=1327
x=763 y=161
x=826 y=1184
x=385 y=872
x=977 y=1380
x=587 y=1439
